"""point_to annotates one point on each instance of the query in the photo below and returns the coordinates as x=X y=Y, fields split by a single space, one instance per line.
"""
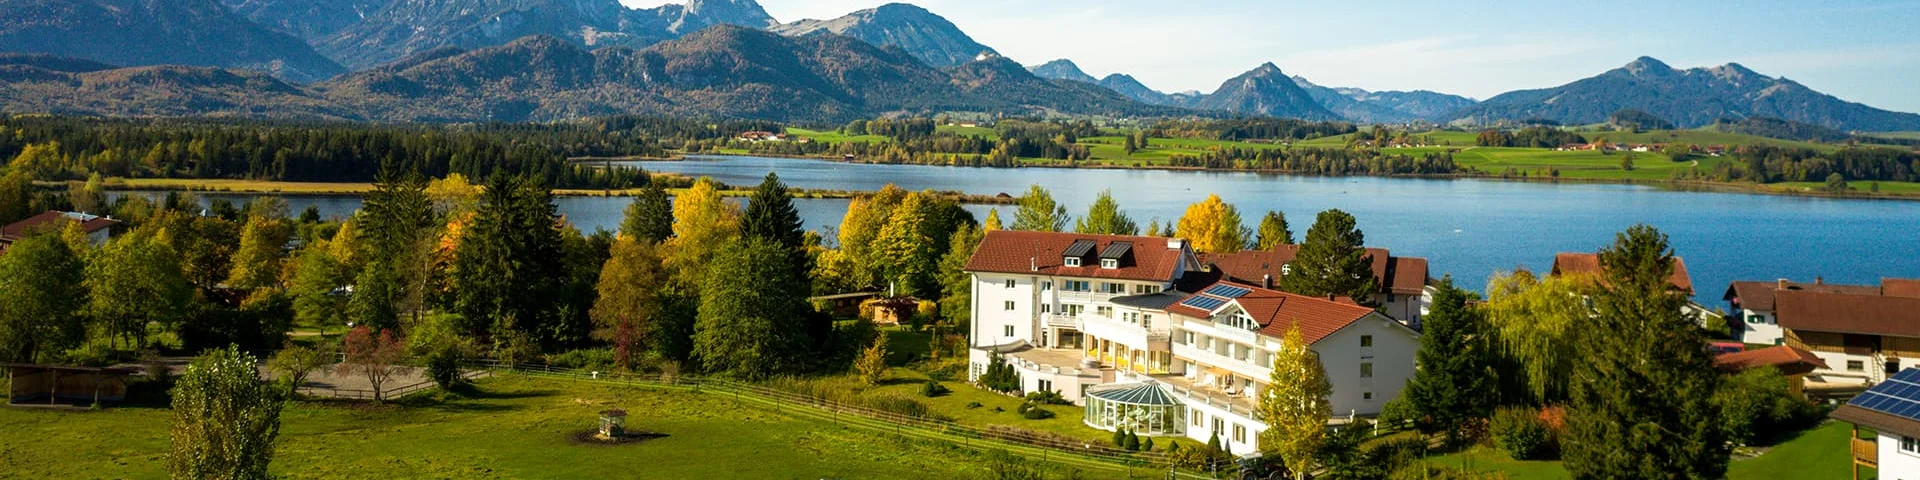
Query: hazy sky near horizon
x=1858 y=50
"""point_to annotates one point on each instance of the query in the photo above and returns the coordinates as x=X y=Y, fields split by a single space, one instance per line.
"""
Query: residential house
x=1751 y=306
x=1149 y=338
x=1862 y=337
x=759 y=136
x=1589 y=264
x=1404 y=293
x=1794 y=363
x=1892 y=411
x=99 y=229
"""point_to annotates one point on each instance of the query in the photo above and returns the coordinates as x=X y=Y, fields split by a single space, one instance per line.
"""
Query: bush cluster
x=1522 y=434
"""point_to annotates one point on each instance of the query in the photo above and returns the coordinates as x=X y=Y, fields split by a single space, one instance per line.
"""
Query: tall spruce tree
x=1333 y=261
x=1642 y=405
x=510 y=262
x=650 y=216
x=1273 y=231
x=1105 y=218
x=1456 y=384
x=771 y=216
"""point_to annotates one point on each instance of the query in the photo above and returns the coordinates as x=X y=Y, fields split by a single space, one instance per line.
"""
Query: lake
x=1466 y=228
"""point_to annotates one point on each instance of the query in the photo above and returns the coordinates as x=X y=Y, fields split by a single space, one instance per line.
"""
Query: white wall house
x=1752 y=305
x=1144 y=335
x=1892 y=411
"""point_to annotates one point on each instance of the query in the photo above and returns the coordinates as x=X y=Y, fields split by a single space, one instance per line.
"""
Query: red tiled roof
x=1790 y=360
x=1758 y=296
x=1013 y=251
x=1845 y=313
x=90 y=224
x=1275 y=311
x=1589 y=263
x=1398 y=275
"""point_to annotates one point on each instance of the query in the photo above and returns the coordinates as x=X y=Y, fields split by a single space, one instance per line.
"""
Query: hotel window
x=1366 y=369
x=1077 y=286
x=1046 y=308
x=1046 y=285
x=1366 y=395
x=1007 y=331
x=1113 y=288
x=1366 y=341
x=1195 y=414
x=1103 y=310
x=1145 y=289
x=1186 y=338
x=1146 y=319
x=1046 y=385
x=1073 y=261
x=1909 y=445
x=1219 y=425
x=1109 y=263
x=1239 y=433
x=1072 y=310
x=1856 y=366
x=1009 y=283
x=1009 y=305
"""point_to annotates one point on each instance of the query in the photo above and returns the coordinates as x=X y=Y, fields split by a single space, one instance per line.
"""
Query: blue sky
x=1864 y=51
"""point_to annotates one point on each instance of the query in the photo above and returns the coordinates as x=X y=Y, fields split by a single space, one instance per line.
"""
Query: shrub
x=933 y=389
x=946 y=371
x=1133 y=441
x=1120 y=437
x=1047 y=398
x=1146 y=445
x=1000 y=375
x=1393 y=455
x=1034 y=412
x=1520 y=432
x=973 y=405
x=903 y=406
x=600 y=359
x=1398 y=413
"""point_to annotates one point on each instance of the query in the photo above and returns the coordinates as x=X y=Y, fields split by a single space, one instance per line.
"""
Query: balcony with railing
x=1866 y=451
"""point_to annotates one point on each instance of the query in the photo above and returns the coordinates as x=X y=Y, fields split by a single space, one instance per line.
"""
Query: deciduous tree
x=256 y=264
x=1039 y=212
x=872 y=364
x=629 y=289
x=747 y=329
x=295 y=362
x=1214 y=226
x=1105 y=218
x=41 y=296
x=225 y=420
x=375 y=354
x=134 y=281
x=1539 y=324
x=956 y=286
x=1294 y=405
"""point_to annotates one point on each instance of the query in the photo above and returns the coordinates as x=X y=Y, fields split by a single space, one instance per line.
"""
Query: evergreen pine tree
x=1456 y=383
x=650 y=216
x=1333 y=261
x=1642 y=405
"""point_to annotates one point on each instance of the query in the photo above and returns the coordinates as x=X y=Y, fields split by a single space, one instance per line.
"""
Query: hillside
x=1265 y=90
x=406 y=27
x=1126 y=85
x=1688 y=98
x=308 y=19
x=1061 y=69
x=1363 y=106
x=926 y=36
x=156 y=32
x=723 y=71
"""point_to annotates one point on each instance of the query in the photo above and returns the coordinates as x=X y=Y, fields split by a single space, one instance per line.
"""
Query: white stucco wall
x=1392 y=357
x=1895 y=464
x=990 y=316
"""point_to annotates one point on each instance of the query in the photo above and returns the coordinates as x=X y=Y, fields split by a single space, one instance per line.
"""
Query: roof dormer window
x=1071 y=261
x=1109 y=263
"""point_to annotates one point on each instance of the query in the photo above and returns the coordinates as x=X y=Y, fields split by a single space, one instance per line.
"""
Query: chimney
x=1266 y=281
x=1819 y=281
x=1782 y=284
x=1176 y=243
x=1033 y=264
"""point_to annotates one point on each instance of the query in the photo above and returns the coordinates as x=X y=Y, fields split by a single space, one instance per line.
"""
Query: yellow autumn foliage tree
x=1213 y=226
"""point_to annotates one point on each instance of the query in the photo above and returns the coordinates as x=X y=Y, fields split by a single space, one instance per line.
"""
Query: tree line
x=1322 y=161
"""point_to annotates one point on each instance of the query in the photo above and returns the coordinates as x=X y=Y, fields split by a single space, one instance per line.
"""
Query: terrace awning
x=1146 y=393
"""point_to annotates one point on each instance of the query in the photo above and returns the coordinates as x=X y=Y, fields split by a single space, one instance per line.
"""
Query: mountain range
x=1688 y=98
x=725 y=71
x=434 y=60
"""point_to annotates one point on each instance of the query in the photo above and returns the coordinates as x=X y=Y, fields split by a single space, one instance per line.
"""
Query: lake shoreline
x=356 y=189
x=1675 y=185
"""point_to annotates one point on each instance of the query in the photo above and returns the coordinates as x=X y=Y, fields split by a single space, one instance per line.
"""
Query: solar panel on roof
x=1899 y=395
x=1080 y=248
x=1203 y=303
x=1116 y=250
x=1227 y=291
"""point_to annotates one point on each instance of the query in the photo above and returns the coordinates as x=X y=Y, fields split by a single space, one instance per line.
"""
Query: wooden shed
x=57 y=385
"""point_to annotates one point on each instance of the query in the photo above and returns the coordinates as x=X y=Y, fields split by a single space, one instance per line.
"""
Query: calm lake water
x=1466 y=228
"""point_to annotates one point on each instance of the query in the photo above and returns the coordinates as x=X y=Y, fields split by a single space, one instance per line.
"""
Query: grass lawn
x=906 y=382
x=1816 y=454
x=835 y=137
x=511 y=427
x=1898 y=188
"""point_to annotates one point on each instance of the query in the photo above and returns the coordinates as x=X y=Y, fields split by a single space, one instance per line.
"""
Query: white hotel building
x=1144 y=335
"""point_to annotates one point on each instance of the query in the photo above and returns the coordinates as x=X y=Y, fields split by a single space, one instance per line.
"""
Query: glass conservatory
x=1144 y=408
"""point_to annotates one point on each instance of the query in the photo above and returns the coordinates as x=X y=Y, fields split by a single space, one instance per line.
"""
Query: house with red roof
x=98 y=229
x=1862 y=333
x=1149 y=337
x=1403 y=294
